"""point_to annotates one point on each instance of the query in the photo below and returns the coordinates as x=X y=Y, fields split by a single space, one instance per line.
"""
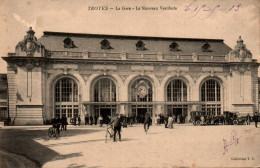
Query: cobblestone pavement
x=185 y=145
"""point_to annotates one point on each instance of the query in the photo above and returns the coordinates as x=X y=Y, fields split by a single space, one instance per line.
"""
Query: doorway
x=106 y=114
x=141 y=114
x=177 y=112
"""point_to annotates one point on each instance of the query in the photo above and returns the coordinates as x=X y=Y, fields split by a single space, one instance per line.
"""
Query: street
x=185 y=145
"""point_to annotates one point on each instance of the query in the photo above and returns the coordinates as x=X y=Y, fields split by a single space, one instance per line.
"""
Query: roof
x=53 y=41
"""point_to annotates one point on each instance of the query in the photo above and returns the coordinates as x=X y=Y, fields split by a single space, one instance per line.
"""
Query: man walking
x=255 y=117
x=86 y=120
x=91 y=119
x=147 y=120
x=116 y=126
x=248 y=119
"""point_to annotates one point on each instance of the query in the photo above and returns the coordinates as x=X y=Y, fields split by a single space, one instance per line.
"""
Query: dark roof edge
x=49 y=33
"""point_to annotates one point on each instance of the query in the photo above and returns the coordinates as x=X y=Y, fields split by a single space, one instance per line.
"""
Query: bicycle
x=52 y=132
x=110 y=132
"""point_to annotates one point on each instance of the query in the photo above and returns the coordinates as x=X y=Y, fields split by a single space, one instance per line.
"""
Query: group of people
x=76 y=120
x=92 y=120
x=59 y=123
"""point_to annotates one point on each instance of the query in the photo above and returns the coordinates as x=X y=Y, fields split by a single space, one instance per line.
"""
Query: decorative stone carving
x=242 y=68
x=124 y=77
x=195 y=77
x=140 y=46
x=105 y=44
x=29 y=45
x=68 y=43
x=160 y=77
x=240 y=51
x=85 y=77
x=212 y=73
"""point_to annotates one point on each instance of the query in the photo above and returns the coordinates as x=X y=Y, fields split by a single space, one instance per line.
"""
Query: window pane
x=177 y=91
x=104 y=90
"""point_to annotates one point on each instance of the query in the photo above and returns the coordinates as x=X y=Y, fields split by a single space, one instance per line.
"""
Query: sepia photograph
x=129 y=83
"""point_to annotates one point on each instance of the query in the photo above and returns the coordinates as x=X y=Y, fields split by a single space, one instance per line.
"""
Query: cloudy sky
x=220 y=19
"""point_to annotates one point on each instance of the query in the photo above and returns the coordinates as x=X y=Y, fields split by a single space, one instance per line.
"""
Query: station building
x=93 y=74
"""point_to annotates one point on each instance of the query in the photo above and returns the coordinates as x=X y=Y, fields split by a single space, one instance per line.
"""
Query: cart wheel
x=198 y=122
x=235 y=122
x=50 y=132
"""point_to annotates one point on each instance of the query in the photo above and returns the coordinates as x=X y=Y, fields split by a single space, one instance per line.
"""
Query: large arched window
x=210 y=94
x=141 y=91
x=66 y=98
x=177 y=91
x=105 y=90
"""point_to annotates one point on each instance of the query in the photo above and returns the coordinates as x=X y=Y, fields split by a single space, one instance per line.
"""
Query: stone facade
x=82 y=74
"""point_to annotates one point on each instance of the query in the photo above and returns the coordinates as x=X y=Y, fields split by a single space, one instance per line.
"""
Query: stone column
x=122 y=109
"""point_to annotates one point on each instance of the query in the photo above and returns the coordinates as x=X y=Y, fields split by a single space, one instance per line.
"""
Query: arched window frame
x=98 y=90
x=66 y=98
x=172 y=89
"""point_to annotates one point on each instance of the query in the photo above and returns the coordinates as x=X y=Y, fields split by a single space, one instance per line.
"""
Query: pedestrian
x=202 y=119
x=100 y=121
x=248 y=119
x=174 y=118
x=86 y=119
x=131 y=119
x=95 y=118
x=79 y=120
x=166 y=121
x=64 y=123
x=116 y=123
x=147 y=120
x=170 y=122
x=178 y=119
x=91 y=120
x=74 y=120
x=255 y=117
x=58 y=122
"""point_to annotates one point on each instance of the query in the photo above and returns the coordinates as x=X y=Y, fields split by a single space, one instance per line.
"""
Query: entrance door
x=141 y=114
x=105 y=113
x=177 y=112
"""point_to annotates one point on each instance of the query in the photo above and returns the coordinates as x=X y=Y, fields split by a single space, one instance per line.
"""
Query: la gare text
x=126 y=8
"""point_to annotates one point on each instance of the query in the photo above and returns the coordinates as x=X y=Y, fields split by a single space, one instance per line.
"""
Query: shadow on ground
x=21 y=141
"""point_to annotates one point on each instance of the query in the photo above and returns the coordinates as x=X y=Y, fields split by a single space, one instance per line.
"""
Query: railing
x=135 y=56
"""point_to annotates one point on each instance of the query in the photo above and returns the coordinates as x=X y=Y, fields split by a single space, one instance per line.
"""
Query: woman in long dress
x=170 y=122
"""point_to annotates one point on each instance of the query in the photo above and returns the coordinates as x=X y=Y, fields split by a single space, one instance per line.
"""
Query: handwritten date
x=196 y=9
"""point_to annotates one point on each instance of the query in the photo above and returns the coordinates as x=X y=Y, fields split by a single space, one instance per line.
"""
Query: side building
x=75 y=74
x=3 y=98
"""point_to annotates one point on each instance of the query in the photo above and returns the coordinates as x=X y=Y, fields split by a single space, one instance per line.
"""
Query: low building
x=75 y=74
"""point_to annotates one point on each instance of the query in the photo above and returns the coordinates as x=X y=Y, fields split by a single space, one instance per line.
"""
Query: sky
x=218 y=19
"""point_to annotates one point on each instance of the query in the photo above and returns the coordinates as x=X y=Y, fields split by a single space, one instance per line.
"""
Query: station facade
x=75 y=74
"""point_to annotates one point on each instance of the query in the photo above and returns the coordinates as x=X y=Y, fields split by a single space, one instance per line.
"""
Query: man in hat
x=255 y=117
x=116 y=126
x=147 y=121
